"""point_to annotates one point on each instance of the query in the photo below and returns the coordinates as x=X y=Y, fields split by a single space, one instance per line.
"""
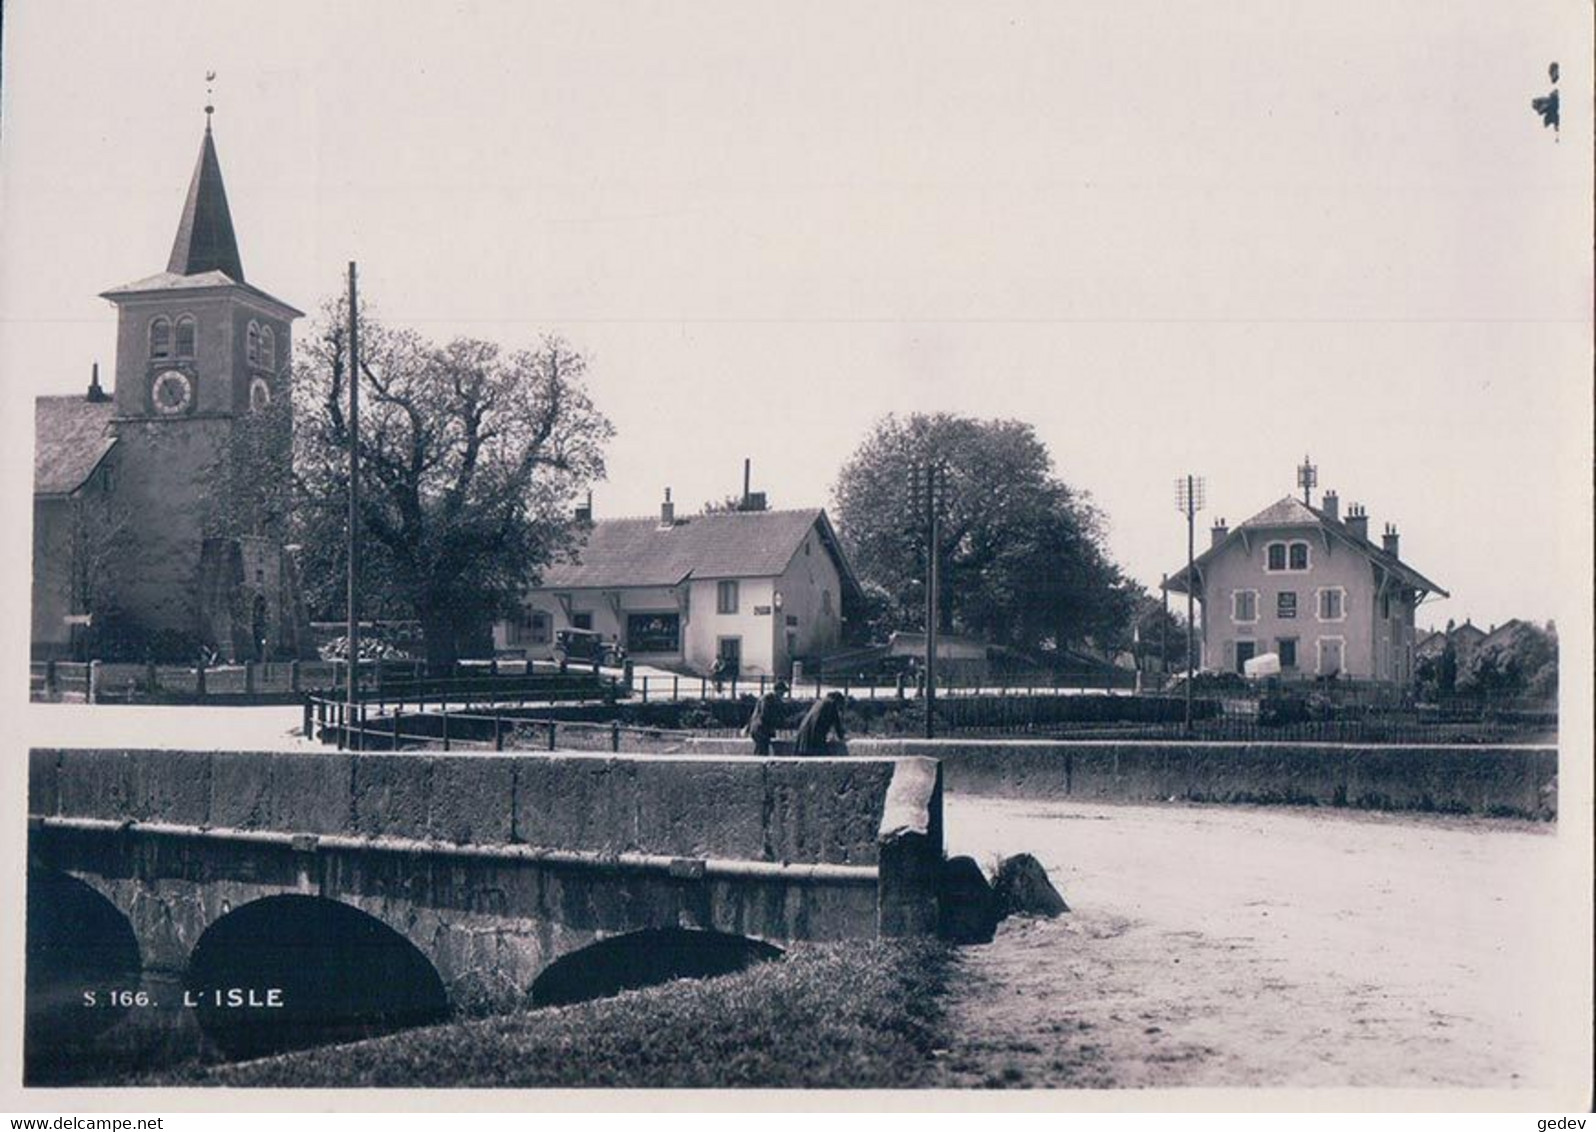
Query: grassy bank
x=855 y=1015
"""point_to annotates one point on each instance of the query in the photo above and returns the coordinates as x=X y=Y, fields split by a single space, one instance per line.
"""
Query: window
x=252 y=344
x=1329 y=655
x=1385 y=607
x=530 y=628
x=268 y=348
x=582 y=621
x=653 y=632
x=161 y=338
x=1286 y=605
x=185 y=336
x=726 y=597
x=1332 y=604
x=1285 y=556
x=1245 y=651
x=1244 y=605
x=825 y=602
x=1286 y=650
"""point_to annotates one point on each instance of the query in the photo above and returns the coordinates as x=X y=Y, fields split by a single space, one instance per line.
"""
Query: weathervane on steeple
x=210 y=77
x=1307 y=479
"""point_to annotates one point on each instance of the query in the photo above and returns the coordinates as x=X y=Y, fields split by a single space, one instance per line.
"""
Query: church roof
x=205 y=252
x=205 y=239
x=170 y=281
x=619 y=553
x=71 y=435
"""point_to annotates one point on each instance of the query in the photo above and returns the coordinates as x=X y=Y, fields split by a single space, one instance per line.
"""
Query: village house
x=1465 y=639
x=760 y=589
x=1307 y=585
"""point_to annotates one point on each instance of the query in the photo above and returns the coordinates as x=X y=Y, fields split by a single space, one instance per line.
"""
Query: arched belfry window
x=185 y=336
x=252 y=344
x=161 y=338
x=268 y=348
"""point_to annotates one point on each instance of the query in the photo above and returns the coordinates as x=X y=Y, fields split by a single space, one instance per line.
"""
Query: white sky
x=1172 y=236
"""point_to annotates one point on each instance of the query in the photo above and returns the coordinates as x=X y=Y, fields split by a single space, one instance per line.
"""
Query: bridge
x=300 y=896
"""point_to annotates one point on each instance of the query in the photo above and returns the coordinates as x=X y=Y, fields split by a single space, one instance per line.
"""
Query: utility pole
x=926 y=488
x=1307 y=479
x=352 y=630
x=1163 y=634
x=1189 y=498
x=933 y=544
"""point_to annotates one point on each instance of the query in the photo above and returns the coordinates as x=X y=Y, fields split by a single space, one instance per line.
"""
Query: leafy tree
x=1160 y=631
x=726 y=505
x=1522 y=662
x=101 y=540
x=1021 y=555
x=470 y=458
x=251 y=486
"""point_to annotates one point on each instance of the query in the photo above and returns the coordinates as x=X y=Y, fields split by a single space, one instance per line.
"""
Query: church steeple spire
x=205 y=240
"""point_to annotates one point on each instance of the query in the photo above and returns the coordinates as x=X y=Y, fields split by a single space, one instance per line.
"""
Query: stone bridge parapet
x=495 y=865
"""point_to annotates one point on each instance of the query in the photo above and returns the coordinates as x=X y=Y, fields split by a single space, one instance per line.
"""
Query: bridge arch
x=78 y=943
x=289 y=971
x=645 y=958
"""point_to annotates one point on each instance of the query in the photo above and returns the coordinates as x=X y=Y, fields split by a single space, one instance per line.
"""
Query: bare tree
x=470 y=458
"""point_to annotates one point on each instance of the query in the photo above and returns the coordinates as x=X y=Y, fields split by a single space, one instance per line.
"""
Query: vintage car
x=582 y=646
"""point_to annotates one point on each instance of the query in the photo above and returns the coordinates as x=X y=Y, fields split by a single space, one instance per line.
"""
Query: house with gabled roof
x=1309 y=586
x=759 y=589
x=1464 y=638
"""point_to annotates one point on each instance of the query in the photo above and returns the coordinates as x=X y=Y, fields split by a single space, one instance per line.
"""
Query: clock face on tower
x=172 y=392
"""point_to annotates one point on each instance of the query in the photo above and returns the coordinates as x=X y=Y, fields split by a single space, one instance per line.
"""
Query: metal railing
x=671 y=688
x=368 y=726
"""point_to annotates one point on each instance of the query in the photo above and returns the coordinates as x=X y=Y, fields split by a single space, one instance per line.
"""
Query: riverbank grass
x=846 y=1015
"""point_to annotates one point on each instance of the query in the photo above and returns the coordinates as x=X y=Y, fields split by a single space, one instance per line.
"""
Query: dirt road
x=1240 y=946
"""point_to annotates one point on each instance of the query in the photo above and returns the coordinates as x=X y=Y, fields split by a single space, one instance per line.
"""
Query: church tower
x=202 y=357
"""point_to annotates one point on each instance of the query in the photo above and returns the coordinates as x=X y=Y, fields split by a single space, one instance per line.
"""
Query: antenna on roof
x=210 y=77
x=1307 y=479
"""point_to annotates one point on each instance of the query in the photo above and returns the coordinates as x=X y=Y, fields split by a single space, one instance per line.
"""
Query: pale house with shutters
x=1308 y=585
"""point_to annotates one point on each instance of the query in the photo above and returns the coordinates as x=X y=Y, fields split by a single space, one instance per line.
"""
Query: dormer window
x=252 y=344
x=185 y=336
x=268 y=348
x=161 y=338
x=1281 y=556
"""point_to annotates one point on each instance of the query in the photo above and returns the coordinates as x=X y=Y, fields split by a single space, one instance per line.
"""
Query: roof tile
x=71 y=437
x=641 y=552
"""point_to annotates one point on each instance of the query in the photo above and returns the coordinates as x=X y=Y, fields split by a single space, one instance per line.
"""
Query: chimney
x=1220 y=532
x=1358 y=521
x=584 y=511
x=1331 y=505
x=96 y=394
x=748 y=469
x=667 y=511
x=1390 y=540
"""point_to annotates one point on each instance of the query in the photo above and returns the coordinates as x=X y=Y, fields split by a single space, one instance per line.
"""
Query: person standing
x=818 y=723
x=766 y=719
